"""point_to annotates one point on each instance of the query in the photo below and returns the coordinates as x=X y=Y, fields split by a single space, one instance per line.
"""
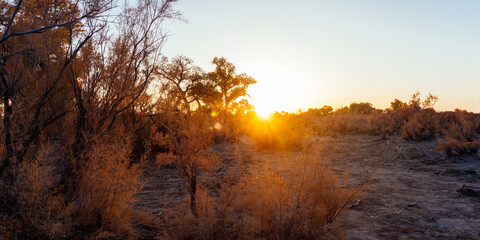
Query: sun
x=275 y=90
x=263 y=112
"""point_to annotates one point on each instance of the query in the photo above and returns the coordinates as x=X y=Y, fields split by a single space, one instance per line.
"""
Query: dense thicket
x=73 y=85
x=86 y=95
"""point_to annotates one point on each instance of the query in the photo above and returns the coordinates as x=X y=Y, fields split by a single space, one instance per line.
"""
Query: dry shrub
x=423 y=125
x=187 y=147
x=107 y=189
x=217 y=218
x=100 y=205
x=422 y=121
x=412 y=119
x=461 y=148
x=294 y=199
x=281 y=131
x=329 y=125
x=375 y=123
x=383 y=124
x=223 y=129
x=461 y=130
x=41 y=211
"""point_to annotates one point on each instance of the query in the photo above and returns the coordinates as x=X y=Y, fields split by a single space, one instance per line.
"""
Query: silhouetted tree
x=343 y=110
x=362 y=108
x=228 y=83
x=321 y=112
x=182 y=78
x=397 y=105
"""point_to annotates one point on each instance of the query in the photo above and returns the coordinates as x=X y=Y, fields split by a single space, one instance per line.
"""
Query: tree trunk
x=9 y=201
x=7 y=122
x=193 y=194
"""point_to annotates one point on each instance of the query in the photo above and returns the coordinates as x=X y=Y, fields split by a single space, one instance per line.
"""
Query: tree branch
x=11 y=19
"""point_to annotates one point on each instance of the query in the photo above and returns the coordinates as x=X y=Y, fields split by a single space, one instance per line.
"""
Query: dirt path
x=411 y=195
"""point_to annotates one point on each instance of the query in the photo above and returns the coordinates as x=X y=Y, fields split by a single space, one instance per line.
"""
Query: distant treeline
x=457 y=131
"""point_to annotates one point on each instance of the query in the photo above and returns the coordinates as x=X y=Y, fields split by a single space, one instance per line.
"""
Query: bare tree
x=114 y=71
x=183 y=77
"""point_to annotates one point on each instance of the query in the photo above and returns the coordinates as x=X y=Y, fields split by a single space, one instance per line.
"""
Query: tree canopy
x=227 y=83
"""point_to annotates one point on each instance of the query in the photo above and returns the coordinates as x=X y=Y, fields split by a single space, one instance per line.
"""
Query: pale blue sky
x=311 y=53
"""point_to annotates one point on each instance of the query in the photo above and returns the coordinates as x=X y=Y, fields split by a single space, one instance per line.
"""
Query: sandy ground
x=412 y=193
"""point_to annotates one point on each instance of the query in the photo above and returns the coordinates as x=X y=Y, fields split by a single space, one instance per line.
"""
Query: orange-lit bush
x=107 y=189
x=294 y=199
x=43 y=212
x=423 y=125
x=383 y=124
x=421 y=121
x=283 y=199
x=461 y=130
x=342 y=123
x=217 y=218
x=461 y=148
x=100 y=206
x=361 y=118
x=375 y=123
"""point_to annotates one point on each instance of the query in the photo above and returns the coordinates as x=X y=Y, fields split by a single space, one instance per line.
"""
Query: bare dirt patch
x=413 y=192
